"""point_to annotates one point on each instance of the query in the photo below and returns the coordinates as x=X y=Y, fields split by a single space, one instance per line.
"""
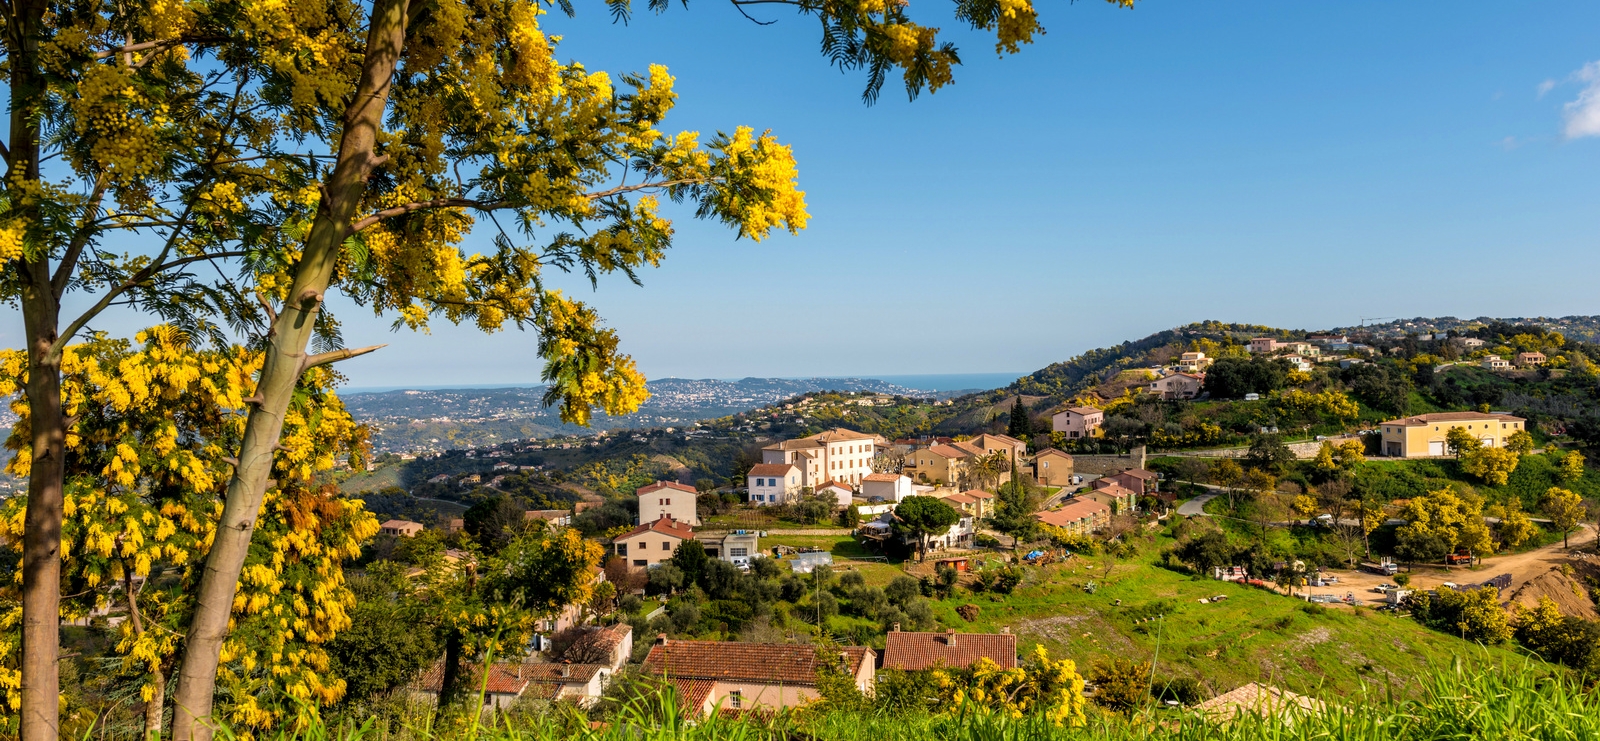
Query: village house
x=1052 y=467
x=606 y=651
x=1078 y=422
x=838 y=454
x=986 y=444
x=909 y=651
x=889 y=487
x=1137 y=479
x=1423 y=435
x=400 y=528
x=1298 y=362
x=502 y=685
x=1119 y=498
x=975 y=502
x=774 y=483
x=1530 y=359
x=736 y=547
x=652 y=543
x=939 y=464
x=1076 y=515
x=1494 y=362
x=1178 y=386
x=735 y=676
x=554 y=518
x=573 y=614
x=667 y=499
x=1194 y=362
x=842 y=494
x=1265 y=345
x=1467 y=343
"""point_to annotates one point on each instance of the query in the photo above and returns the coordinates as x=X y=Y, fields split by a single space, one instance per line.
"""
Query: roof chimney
x=519 y=671
x=894 y=628
x=949 y=636
x=566 y=670
x=661 y=639
x=1006 y=629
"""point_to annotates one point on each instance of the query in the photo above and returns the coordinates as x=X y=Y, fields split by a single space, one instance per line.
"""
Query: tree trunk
x=154 y=707
x=41 y=538
x=449 y=677
x=284 y=363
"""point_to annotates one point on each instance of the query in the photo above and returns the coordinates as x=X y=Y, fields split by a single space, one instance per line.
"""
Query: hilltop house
x=736 y=676
x=553 y=518
x=1530 y=359
x=667 y=499
x=400 y=528
x=1194 y=362
x=1265 y=345
x=1052 y=467
x=908 y=651
x=842 y=494
x=1178 y=386
x=652 y=543
x=1078 y=422
x=974 y=502
x=1116 y=496
x=736 y=547
x=837 y=454
x=1137 y=479
x=890 y=487
x=774 y=483
x=1424 y=434
x=1495 y=362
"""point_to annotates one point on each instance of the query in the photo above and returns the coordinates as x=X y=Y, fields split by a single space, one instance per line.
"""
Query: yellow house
x=1424 y=434
x=939 y=464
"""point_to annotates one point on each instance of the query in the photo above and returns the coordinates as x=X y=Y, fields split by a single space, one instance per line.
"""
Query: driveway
x=1196 y=507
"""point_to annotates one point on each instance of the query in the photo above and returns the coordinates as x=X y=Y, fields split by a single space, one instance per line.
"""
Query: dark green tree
x=692 y=560
x=389 y=640
x=1268 y=453
x=494 y=522
x=1021 y=426
x=1207 y=552
x=1014 y=508
x=921 y=517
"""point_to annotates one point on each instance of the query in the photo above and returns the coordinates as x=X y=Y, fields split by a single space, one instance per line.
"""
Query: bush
x=968 y=612
x=1120 y=684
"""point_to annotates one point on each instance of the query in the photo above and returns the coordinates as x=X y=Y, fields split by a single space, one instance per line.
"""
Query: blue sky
x=1293 y=164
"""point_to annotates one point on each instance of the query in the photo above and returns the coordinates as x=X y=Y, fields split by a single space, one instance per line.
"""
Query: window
x=738 y=552
x=736 y=699
x=1047 y=464
x=641 y=562
x=622 y=549
x=666 y=545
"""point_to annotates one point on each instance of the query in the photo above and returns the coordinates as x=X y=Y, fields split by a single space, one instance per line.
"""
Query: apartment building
x=838 y=454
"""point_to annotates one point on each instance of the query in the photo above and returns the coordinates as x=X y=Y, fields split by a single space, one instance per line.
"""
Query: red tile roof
x=767 y=663
x=1140 y=473
x=978 y=494
x=960 y=499
x=560 y=673
x=659 y=485
x=947 y=451
x=771 y=469
x=502 y=679
x=1427 y=419
x=831 y=484
x=1072 y=511
x=1053 y=453
x=693 y=693
x=916 y=651
x=886 y=477
x=665 y=526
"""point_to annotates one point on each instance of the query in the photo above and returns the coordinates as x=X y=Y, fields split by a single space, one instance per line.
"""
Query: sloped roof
x=396 y=524
x=502 y=679
x=1053 y=452
x=664 y=526
x=547 y=672
x=1138 y=473
x=659 y=485
x=959 y=498
x=947 y=451
x=693 y=693
x=916 y=651
x=605 y=640
x=832 y=484
x=978 y=494
x=771 y=469
x=767 y=663
x=884 y=477
x=1071 y=511
x=839 y=435
x=1081 y=411
x=1428 y=419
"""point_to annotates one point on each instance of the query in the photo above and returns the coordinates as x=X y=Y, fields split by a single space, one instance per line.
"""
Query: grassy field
x=1254 y=635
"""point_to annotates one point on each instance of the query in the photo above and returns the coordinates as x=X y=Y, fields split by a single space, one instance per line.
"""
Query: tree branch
x=312 y=361
x=158 y=45
x=69 y=260
x=642 y=186
x=407 y=208
x=105 y=301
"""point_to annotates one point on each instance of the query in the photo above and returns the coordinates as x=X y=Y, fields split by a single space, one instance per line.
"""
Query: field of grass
x=1254 y=635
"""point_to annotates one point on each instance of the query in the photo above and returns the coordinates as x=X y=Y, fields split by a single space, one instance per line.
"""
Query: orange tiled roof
x=659 y=485
x=767 y=663
x=771 y=469
x=1071 y=512
x=884 y=477
x=916 y=651
x=1427 y=419
x=665 y=526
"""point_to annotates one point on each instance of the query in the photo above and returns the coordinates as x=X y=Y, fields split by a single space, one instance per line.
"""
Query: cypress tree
x=1021 y=426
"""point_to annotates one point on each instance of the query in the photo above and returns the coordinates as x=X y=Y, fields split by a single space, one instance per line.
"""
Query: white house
x=842 y=494
x=667 y=498
x=890 y=487
x=835 y=455
x=1078 y=422
x=774 y=483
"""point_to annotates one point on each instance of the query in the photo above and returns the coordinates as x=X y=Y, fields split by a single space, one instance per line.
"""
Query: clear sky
x=1298 y=164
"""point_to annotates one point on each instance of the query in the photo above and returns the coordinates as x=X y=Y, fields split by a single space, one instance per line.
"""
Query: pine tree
x=1021 y=426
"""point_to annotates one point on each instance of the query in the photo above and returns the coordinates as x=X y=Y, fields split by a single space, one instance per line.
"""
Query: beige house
x=774 y=483
x=734 y=676
x=1078 y=422
x=736 y=547
x=1178 y=386
x=986 y=444
x=1052 y=467
x=1424 y=435
x=890 y=487
x=838 y=454
x=667 y=499
x=553 y=518
x=975 y=502
x=1194 y=362
x=400 y=528
x=1137 y=479
x=1495 y=362
x=939 y=464
x=1265 y=345
x=841 y=493
x=653 y=542
x=1530 y=359
x=1119 y=498
x=1077 y=515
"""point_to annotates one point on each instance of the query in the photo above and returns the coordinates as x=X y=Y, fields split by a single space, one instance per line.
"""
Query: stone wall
x=1105 y=465
x=1303 y=451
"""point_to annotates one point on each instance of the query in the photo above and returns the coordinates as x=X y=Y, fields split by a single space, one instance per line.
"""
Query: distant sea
x=951 y=381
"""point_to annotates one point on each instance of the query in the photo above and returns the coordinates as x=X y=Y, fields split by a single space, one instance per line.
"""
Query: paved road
x=1196 y=507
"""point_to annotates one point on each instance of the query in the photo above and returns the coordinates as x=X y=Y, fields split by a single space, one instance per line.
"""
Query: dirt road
x=1521 y=567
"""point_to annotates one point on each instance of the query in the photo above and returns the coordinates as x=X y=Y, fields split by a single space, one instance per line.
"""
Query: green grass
x=846 y=553
x=1253 y=635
